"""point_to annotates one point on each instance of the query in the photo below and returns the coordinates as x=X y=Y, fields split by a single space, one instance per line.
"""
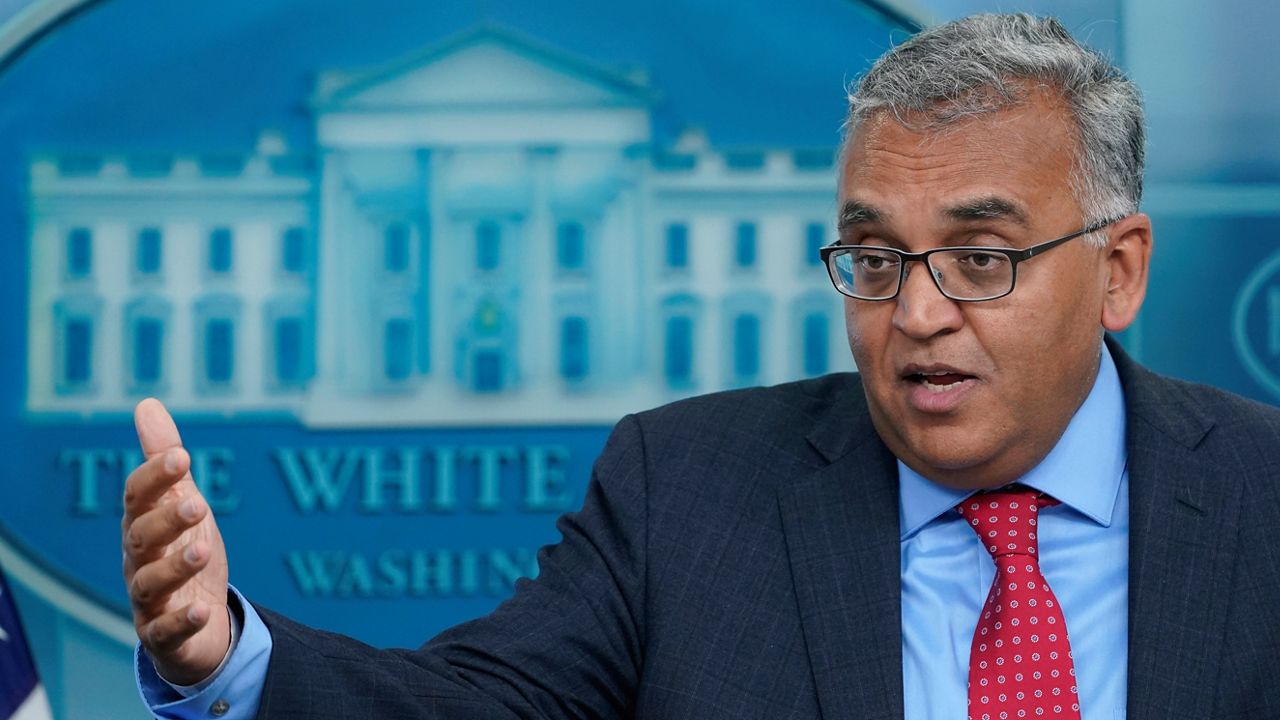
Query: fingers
x=146 y=538
x=154 y=582
x=187 y=644
x=166 y=633
x=150 y=480
x=156 y=429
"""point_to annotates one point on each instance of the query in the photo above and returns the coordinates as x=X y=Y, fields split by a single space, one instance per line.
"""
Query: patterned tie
x=1020 y=662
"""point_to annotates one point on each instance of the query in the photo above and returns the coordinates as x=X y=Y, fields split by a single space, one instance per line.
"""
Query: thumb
x=156 y=429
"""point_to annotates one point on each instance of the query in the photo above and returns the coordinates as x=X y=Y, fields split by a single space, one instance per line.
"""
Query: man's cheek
x=864 y=340
x=857 y=342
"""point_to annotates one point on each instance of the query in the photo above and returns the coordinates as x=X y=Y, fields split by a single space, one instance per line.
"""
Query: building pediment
x=484 y=67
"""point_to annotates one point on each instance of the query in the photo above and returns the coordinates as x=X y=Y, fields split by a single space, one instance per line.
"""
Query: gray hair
x=983 y=63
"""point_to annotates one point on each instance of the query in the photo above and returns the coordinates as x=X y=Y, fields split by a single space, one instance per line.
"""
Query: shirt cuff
x=232 y=692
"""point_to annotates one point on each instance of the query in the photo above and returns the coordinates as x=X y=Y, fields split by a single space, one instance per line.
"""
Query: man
x=818 y=549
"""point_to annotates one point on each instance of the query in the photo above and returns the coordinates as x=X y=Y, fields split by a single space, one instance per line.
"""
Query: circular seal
x=1255 y=327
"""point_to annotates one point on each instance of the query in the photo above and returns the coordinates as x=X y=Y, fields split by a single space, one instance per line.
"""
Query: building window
x=573 y=348
x=815 y=236
x=744 y=248
x=397 y=358
x=488 y=245
x=220 y=250
x=815 y=344
x=79 y=253
x=219 y=350
x=677 y=363
x=77 y=351
x=746 y=346
x=570 y=246
x=294 y=250
x=677 y=246
x=149 y=249
x=487 y=371
x=145 y=324
x=148 y=346
x=395 y=256
x=288 y=343
x=288 y=337
x=216 y=326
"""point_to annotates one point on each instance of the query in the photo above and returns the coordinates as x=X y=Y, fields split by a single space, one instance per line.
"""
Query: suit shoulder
x=1229 y=409
x=761 y=424
x=788 y=408
x=1232 y=421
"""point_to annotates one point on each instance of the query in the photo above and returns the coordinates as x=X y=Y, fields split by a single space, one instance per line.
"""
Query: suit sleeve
x=566 y=645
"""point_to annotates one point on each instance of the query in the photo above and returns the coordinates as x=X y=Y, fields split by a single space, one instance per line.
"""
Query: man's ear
x=1127 y=259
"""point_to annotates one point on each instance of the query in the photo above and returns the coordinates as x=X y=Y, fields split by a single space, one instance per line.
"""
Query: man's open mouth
x=937 y=380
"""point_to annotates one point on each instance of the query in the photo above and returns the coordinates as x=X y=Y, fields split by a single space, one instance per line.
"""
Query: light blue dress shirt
x=1084 y=554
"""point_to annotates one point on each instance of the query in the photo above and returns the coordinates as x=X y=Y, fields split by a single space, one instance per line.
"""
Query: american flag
x=21 y=695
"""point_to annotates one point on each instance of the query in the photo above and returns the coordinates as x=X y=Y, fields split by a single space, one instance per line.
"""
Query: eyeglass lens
x=962 y=273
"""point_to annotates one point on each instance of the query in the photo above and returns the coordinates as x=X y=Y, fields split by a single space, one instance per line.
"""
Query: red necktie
x=1020 y=662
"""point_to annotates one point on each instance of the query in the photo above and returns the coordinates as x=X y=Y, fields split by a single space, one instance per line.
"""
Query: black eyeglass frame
x=1015 y=256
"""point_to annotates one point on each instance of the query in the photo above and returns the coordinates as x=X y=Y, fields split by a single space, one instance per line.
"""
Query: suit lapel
x=1184 y=513
x=841 y=527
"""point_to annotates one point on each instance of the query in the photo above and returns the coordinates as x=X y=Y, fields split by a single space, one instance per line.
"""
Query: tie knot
x=1005 y=520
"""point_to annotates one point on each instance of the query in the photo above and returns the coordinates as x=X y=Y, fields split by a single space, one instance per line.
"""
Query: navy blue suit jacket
x=737 y=556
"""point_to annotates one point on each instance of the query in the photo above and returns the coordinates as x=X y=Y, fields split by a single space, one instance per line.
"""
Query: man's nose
x=922 y=310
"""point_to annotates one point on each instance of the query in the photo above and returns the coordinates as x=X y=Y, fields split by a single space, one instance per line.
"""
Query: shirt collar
x=1083 y=471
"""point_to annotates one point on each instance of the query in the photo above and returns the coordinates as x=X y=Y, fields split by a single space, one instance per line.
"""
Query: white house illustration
x=485 y=234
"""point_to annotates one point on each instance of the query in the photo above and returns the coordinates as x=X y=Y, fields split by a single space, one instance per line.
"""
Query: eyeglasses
x=966 y=274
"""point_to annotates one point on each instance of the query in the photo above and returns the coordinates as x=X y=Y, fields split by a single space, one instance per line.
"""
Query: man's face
x=974 y=394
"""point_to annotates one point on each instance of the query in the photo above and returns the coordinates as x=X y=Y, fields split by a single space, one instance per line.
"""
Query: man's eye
x=982 y=260
x=873 y=262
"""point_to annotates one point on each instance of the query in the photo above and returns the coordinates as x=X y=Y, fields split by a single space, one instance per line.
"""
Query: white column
x=539 y=332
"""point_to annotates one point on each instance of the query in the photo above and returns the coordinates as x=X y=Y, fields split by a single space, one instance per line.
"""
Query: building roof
x=336 y=87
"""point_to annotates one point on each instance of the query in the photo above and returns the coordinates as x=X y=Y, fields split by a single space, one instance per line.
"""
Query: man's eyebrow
x=858 y=213
x=988 y=208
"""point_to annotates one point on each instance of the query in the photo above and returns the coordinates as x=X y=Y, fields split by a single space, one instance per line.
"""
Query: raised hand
x=175 y=565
